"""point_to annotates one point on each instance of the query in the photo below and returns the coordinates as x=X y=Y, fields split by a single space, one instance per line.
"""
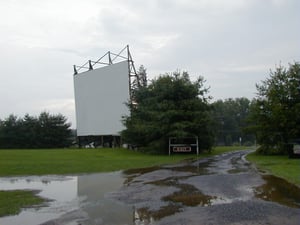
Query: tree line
x=231 y=117
x=43 y=131
x=174 y=106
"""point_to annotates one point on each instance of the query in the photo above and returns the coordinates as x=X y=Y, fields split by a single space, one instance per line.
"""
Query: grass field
x=280 y=166
x=76 y=161
x=73 y=161
x=11 y=202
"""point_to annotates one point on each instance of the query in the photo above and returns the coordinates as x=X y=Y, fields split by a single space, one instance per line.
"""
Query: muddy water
x=276 y=189
x=224 y=189
x=62 y=190
x=74 y=200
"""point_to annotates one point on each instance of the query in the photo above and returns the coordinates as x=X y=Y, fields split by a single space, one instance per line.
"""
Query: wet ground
x=224 y=189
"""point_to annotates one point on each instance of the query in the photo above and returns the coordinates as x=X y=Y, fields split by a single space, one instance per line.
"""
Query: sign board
x=183 y=145
x=296 y=149
x=182 y=149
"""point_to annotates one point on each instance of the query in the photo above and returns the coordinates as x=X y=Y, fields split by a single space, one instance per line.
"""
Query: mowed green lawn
x=76 y=161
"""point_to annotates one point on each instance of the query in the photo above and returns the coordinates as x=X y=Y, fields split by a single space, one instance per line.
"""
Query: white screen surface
x=100 y=97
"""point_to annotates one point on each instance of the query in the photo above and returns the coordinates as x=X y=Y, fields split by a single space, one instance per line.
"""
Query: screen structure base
x=99 y=141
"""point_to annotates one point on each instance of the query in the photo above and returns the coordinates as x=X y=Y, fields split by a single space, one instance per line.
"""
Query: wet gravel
x=227 y=182
x=238 y=212
x=221 y=190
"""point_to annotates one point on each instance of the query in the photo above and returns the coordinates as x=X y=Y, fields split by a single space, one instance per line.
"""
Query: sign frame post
x=183 y=147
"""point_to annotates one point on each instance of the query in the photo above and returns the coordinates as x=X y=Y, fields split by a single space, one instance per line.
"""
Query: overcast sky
x=232 y=43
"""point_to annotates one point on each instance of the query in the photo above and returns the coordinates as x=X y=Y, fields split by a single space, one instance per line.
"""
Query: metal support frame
x=90 y=65
x=134 y=81
x=99 y=141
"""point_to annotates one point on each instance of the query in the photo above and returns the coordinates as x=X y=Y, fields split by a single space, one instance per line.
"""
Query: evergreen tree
x=171 y=106
x=45 y=131
x=10 y=132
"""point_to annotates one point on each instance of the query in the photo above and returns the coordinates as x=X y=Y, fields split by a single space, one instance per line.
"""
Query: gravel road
x=224 y=189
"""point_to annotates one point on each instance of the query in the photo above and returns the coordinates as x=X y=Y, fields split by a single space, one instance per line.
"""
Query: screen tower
x=101 y=89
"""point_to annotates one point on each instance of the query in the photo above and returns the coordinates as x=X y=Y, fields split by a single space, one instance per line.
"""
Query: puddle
x=61 y=190
x=237 y=170
x=82 y=196
x=133 y=173
x=191 y=166
x=139 y=171
x=147 y=195
x=146 y=216
x=239 y=165
x=199 y=169
x=188 y=195
x=279 y=190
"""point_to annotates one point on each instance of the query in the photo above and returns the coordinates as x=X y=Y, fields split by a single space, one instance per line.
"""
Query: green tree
x=45 y=131
x=275 y=112
x=171 y=106
x=230 y=116
x=30 y=132
x=142 y=76
x=54 y=131
x=10 y=132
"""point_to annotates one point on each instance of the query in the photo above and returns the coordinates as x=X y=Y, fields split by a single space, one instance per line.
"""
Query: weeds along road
x=224 y=189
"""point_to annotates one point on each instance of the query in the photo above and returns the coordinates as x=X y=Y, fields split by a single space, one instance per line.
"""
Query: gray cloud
x=233 y=44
